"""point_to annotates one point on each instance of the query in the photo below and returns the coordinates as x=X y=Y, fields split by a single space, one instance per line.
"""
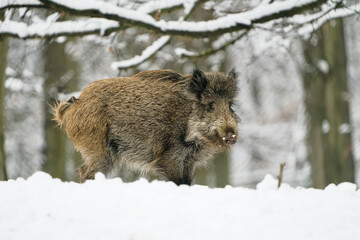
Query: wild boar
x=158 y=121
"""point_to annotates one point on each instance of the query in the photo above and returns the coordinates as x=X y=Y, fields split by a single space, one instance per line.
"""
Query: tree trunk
x=201 y=176
x=325 y=82
x=222 y=169
x=3 y=63
x=55 y=150
x=60 y=74
x=72 y=86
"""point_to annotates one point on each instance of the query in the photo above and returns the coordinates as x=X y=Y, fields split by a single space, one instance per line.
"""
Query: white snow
x=152 y=6
x=325 y=126
x=63 y=96
x=104 y=8
x=45 y=208
x=19 y=85
x=323 y=66
x=184 y=52
x=344 y=128
x=188 y=6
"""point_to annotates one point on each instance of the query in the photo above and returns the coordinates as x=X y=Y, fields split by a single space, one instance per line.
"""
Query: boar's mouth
x=230 y=140
x=226 y=141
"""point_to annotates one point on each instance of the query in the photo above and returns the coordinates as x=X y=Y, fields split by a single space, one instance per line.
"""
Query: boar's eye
x=210 y=107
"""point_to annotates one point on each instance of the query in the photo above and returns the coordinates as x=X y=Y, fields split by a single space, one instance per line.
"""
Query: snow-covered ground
x=45 y=208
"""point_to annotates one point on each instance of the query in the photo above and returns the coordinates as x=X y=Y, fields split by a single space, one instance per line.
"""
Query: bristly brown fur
x=158 y=121
x=58 y=110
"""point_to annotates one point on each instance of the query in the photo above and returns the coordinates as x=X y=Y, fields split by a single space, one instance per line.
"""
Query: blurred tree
x=3 y=61
x=221 y=165
x=201 y=176
x=222 y=160
x=60 y=74
x=325 y=81
x=54 y=69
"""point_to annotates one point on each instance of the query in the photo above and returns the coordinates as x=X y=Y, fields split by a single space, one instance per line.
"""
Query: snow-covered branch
x=55 y=29
x=145 y=55
x=105 y=17
x=311 y=25
x=165 y=5
x=151 y=50
x=19 y=3
x=264 y=13
x=78 y=27
x=229 y=23
x=218 y=45
x=147 y=7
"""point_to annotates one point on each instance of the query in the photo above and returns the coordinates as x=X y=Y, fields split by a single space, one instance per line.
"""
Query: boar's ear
x=232 y=78
x=198 y=83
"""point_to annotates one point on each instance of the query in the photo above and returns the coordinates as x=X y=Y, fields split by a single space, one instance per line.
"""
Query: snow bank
x=45 y=208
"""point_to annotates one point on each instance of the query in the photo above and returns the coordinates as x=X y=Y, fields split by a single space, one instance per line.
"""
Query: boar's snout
x=230 y=137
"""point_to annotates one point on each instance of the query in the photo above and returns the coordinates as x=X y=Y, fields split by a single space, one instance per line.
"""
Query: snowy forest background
x=299 y=80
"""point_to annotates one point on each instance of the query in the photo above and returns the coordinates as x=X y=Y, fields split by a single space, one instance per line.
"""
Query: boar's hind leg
x=103 y=162
x=90 y=168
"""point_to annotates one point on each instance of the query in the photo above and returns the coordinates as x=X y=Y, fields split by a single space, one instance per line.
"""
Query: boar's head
x=214 y=118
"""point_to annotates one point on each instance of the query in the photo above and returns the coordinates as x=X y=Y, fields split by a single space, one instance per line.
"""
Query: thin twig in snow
x=280 y=176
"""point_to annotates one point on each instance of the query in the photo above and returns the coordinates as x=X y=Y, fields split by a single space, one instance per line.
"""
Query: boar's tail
x=59 y=109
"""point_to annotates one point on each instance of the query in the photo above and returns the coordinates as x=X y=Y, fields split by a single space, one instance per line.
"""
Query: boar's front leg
x=187 y=180
x=179 y=172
